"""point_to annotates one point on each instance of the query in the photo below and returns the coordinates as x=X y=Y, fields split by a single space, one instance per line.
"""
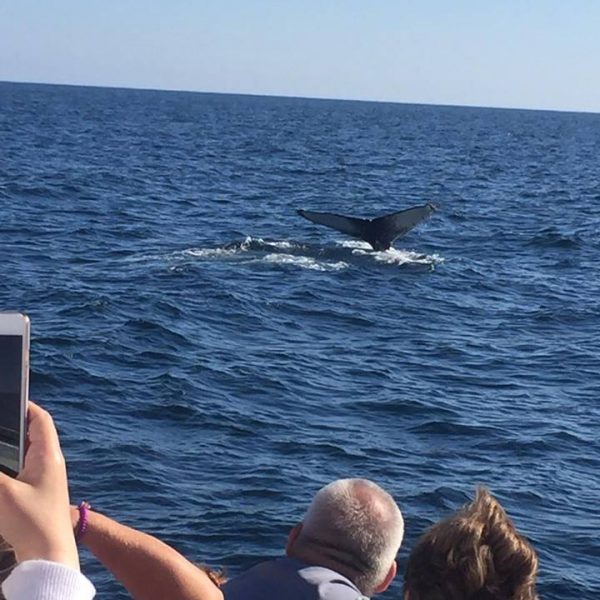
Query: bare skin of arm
x=148 y=568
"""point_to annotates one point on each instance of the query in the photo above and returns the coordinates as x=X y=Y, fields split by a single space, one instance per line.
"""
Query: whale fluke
x=379 y=232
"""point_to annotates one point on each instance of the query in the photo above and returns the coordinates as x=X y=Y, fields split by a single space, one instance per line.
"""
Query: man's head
x=475 y=553
x=355 y=528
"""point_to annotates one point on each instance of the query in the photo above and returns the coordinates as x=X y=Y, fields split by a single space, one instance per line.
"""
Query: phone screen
x=11 y=361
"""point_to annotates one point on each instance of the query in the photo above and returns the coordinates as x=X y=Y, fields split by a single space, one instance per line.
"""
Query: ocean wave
x=552 y=238
x=194 y=341
x=439 y=427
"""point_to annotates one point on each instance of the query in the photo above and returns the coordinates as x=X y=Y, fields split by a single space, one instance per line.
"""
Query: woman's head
x=475 y=554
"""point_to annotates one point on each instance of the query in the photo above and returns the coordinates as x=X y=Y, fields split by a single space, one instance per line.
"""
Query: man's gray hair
x=358 y=522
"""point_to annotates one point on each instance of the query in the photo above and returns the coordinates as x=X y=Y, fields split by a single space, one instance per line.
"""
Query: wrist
x=62 y=551
x=84 y=511
x=80 y=520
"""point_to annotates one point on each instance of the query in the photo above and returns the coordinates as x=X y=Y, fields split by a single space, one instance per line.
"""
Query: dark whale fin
x=350 y=225
x=380 y=232
x=390 y=227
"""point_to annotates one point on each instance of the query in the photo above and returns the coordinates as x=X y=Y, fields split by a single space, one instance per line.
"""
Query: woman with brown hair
x=475 y=554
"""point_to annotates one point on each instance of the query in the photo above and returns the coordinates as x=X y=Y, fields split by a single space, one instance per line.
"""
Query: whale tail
x=379 y=232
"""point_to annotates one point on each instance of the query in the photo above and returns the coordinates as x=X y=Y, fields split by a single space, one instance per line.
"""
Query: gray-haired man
x=344 y=549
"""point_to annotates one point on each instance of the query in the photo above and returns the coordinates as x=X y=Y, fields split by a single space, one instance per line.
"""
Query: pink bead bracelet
x=82 y=524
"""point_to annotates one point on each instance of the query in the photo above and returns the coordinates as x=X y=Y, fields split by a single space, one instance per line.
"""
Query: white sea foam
x=404 y=257
x=250 y=243
x=245 y=245
x=393 y=255
x=356 y=245
x=305 y=262
x=210 y=252
x=286 y=252
x=145 y=258
x=285 y=245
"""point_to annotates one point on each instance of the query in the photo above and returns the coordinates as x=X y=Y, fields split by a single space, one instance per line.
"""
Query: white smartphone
x=14 y=390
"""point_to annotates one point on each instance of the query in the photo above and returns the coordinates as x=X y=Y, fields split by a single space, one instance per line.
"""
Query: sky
x=540 y=54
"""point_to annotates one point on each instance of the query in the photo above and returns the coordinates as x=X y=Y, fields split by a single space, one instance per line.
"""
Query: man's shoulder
x=290 y=579
x=330 y=584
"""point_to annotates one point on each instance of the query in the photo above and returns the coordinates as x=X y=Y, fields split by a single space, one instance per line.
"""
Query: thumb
x=44 y=459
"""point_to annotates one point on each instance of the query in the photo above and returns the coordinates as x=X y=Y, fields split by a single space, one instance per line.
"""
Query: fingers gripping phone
x=14 y=390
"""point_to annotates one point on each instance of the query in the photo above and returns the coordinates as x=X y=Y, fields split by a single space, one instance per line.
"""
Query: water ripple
x=216 y=360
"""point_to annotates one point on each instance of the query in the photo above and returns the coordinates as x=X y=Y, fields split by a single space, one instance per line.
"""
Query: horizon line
x=294 y=97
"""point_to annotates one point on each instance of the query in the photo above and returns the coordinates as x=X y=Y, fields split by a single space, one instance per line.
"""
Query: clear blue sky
x=514 y=53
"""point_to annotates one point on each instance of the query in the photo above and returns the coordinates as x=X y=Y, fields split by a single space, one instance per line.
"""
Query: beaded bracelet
x=82 y=524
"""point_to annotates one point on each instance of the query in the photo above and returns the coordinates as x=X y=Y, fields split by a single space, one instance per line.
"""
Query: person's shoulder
x=330 y=584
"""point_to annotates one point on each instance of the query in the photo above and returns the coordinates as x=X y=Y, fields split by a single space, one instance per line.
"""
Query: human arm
x=148 y=568
x=35 y=520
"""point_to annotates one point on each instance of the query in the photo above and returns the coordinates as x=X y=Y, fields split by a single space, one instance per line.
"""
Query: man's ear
x=292 y=537
x=388 y=579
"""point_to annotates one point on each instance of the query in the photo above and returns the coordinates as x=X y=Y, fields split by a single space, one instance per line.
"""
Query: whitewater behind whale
x=380 y=232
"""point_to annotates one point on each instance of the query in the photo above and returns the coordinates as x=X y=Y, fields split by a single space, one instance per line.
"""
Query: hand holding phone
x=34 y=508
x=14 y=390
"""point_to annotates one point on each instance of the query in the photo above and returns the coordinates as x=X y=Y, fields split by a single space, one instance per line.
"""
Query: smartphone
x=14 y=390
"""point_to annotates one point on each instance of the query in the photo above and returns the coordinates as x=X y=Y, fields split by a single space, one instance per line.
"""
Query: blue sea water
x=212 y=359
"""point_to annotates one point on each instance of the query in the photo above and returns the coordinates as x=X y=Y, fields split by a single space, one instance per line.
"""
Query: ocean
x=212 y=359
